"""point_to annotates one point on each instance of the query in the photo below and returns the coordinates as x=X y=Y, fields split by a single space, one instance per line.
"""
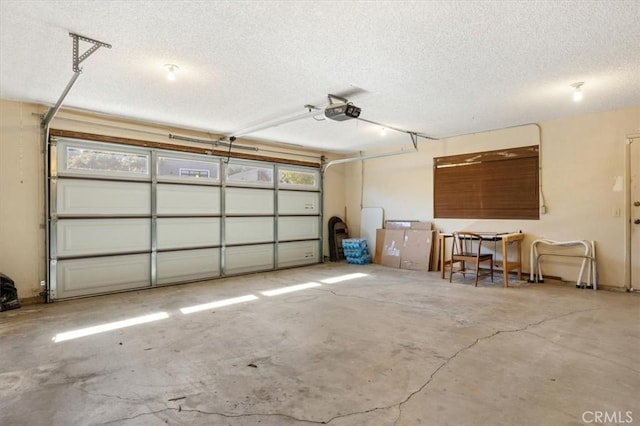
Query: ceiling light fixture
x=577 y=92
x=171 y=71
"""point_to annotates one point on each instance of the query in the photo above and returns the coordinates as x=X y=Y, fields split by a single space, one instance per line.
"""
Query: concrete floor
x=390 y=348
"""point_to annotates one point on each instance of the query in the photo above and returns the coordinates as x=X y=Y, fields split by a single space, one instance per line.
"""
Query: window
x=245 y=173
x=99 y=161
x=300 y=179
x=186 y=168
x=500 y=184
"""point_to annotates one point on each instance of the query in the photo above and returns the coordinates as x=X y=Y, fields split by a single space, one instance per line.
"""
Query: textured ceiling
x=439 y=68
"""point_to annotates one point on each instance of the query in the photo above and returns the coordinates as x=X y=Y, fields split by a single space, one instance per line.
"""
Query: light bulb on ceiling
x=383 y=132
x=171 y=71
x=577 y=91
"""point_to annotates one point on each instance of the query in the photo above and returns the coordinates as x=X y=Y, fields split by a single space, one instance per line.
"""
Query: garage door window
x=243 y=173
x=297 y=179
x=188 y=169
x=106 y=161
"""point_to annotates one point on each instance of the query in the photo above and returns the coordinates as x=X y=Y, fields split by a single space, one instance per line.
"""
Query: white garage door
x=127 y=218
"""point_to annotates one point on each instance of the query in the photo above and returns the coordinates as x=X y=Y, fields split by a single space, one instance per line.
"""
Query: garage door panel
x=298 y=228
x=248 y=201
x=247 y=230
x=298 y=253
x=86 y=237
x=188 y=232
x=188 y=265
x=80 y=277
x=102 y=198
x=298 y=202
x=243 y=259
x=188 y=200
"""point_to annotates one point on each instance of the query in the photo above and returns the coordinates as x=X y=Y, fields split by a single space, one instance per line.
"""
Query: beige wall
x=22 y=242
x=580 y=158
x=22 y=248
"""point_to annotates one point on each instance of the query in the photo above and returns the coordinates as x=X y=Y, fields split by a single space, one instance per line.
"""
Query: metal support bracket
x=76 y=72
x=414 y=135
x=77 y=59
x=333 y=97
x=414 y=140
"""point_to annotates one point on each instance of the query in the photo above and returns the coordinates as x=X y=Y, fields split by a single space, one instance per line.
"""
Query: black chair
x=467 y=248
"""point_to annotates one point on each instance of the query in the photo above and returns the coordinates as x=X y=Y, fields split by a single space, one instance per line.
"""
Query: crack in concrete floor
x=397 y=405
x=212 y=413
x=136 y=400
x=494 y=334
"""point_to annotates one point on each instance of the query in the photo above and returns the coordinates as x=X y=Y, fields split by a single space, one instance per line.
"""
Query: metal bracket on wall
x=76 y=42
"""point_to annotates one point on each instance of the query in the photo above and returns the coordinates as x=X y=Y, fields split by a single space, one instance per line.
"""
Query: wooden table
x=506 y=264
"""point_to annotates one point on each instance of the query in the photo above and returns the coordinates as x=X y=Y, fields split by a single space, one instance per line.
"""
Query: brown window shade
x=500 y=184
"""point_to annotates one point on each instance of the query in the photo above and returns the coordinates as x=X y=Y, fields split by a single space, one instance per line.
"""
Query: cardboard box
x=404 y=248
x=427 y=226
x=407 y=224
x=416 y=251
x=377 y=257
x=392 y=245
x=397 y=224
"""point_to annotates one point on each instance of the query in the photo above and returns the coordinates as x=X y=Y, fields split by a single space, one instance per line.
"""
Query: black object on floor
x=337 y=232
x=8 y=294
